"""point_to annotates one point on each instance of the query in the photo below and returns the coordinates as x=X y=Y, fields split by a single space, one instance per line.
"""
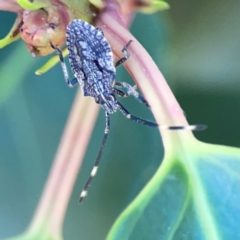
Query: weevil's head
x=41 y=27
x=108 y=102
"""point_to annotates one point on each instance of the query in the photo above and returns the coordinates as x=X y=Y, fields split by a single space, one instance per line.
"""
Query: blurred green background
x=196 y=45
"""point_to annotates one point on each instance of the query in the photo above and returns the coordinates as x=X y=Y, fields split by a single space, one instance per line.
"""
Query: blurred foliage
x=203 y=65
x=196 y=46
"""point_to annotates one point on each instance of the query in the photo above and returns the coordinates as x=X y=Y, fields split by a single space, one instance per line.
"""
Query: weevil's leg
x=73 y=82
x=197 y=127
x=120 y=84
x=127 y=114
x=95 y=167
x=132 y=91
x=64 y=67
x=126 y=55
x=120 y=93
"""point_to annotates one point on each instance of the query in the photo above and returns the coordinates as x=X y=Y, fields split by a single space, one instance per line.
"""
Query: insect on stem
x=91 y=62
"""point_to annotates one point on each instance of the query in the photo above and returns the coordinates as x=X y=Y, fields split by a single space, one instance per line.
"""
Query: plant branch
x=149 y=79
x=53 y=204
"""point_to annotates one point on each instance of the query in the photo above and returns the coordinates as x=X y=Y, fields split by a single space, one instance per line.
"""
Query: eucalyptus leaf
x=194 y=195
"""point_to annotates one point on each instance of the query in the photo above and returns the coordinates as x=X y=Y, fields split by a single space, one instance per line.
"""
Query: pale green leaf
x=193 y=196
x=153 y=7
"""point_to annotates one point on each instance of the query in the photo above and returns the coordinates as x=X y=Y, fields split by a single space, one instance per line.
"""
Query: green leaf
x=153 y=7
x=193 y=195
x=31 y=5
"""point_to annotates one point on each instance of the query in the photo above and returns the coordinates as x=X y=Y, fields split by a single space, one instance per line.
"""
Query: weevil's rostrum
x=90 y=57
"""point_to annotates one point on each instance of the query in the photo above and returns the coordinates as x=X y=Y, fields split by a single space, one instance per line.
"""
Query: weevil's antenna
x=95 y=167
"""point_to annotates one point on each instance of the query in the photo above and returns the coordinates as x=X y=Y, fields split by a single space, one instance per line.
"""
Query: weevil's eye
x=52 y=26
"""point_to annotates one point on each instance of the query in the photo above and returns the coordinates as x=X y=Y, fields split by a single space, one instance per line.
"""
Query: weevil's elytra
x=91 y=61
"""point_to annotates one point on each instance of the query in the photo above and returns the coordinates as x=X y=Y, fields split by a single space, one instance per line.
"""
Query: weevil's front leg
x=126 y=55
x=64 y=67
x=120 y=93
x=131 y=90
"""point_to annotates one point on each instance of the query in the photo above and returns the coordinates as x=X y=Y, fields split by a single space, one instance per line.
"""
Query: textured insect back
x=88 y=43
x=91 y=61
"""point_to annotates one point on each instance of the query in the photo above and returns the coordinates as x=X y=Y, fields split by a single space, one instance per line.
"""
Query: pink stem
x=149 y=79
x=56 y=194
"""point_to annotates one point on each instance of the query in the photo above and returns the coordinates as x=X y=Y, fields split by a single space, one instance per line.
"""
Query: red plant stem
x=56 y=194
x=149 y=79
